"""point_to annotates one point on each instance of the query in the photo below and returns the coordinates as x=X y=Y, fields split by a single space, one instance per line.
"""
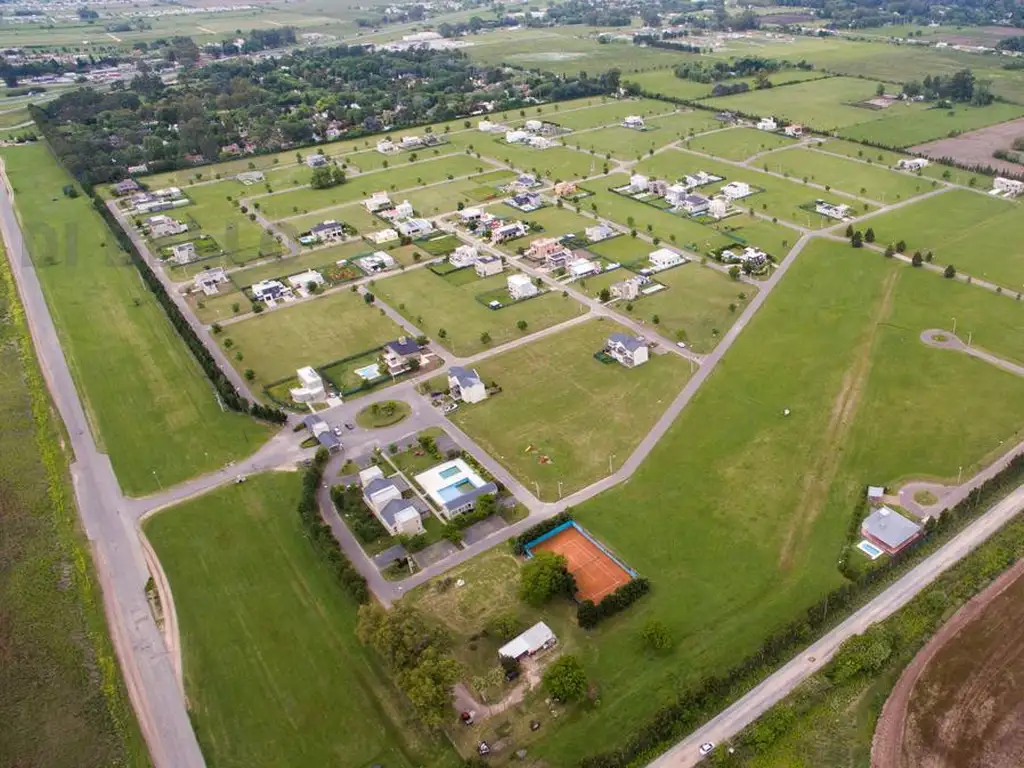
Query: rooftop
x=890 y=527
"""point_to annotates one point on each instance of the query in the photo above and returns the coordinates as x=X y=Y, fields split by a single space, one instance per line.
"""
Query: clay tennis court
x=596 y=573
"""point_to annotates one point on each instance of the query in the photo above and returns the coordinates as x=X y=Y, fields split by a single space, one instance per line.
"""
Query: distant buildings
x=912 y=164
x=767 y=124
x=634 y=121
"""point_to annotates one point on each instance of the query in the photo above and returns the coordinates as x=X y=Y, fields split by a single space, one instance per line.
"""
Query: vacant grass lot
x=627 y=143
x=443 y=198
x=665 y=83
x=908 y=129
x=316 y=259
x=886 y=159
x=243 y=240
x=972 y=231
x=823 y=105
x=276 y=343
x=62 y=700
x=854 y=178
x=553 y=163
x=404 y=176
x=150 y=405
x=746 y=522
x=434 y=303
x=272 y=665
x=739 y=143
x=559 y=402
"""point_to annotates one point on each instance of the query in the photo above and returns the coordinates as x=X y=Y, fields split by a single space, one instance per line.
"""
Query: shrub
x=589 y=615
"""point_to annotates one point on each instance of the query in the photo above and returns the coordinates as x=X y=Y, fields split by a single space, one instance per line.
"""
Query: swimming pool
x=368 y=372
x=450 y=472
x=869 y=549
x=453 y=491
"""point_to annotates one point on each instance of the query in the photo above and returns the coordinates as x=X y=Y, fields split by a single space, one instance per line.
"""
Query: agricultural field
x=908 y=129
x=751 y=548
x=272 y=664
x=315 y=332
x=970 y=230
x=564 y=416
x=434 y=303
x=66 y=674
x=854 y=178
x=738 y=143
x=975 y=148
x=149 y=402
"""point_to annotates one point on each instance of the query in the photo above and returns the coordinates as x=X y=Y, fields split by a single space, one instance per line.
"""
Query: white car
x=706 y=747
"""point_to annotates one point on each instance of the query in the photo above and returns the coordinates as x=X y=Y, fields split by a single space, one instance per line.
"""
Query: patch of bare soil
x=976 y=147
x=960 y=702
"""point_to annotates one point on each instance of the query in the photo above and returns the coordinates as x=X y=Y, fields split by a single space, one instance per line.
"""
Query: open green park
x=874 y=182
x=314 y=332
x=972 y=231
x=450 y=304
x=738 y=143
x=273 y=669
x=150 y=404
x=739 y=529
x=565 y=417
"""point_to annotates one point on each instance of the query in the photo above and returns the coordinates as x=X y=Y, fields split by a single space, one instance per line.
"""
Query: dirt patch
x=959 y=702
x=820 y=476
x=976 y=147
x=988 y=36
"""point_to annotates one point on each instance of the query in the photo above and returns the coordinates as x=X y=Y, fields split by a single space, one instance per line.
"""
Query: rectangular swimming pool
x=450 y=472
x=455 y=490
x=869 y=549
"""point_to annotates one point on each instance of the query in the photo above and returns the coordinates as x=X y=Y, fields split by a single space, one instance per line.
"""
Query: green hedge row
x=519 y=542
x=589 y=614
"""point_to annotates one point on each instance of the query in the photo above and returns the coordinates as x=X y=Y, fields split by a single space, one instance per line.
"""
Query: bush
x=519 y=542
x=656 y=635
x=545 y=576
x=565 y=678
x=589 y=615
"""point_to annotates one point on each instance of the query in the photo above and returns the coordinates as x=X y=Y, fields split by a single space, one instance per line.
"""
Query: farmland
x=149 y=402
x=434 y=303
x=272 y=665
x=314 y=332
x=562 y=415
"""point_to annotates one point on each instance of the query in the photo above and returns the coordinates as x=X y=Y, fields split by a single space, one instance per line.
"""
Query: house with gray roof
x=466 y=385
x=629 y=351
x=889 y=529
x=384 y=499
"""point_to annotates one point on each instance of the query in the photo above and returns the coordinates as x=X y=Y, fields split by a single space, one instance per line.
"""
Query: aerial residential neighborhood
x=492 y=384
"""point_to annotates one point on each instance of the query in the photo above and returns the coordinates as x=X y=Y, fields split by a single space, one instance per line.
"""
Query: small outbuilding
x=537 y=638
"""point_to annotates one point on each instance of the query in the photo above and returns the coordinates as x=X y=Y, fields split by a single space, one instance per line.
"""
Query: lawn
x=402 y=176
x=885 y=158
x=562 y=415
x=823 y=105
x=871 y=181
x=556 y=222
x=609 y=113
x=739 y=143
x=627 y=143
x=554 y=163
x=62 y=700
x=353 y=213
x=150 y=405
x=315 y=259
x=243 y=240
x=273 y=669
x=972 y=231
x=276 y=343
x=434 y=303
x=444 y=198
x=908 y=129
x=739 y=527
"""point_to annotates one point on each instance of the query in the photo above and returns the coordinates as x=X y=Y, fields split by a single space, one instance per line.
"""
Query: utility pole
x=559 y=490
x=954 y=326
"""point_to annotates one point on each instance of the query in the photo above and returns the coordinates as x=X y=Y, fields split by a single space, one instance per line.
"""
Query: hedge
x=589 y=615
x=519 y=542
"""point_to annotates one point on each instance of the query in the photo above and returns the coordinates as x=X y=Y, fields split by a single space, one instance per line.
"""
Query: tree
x=544 y=576
x=949 y=272
x=521 y=325
x=565 y=678
x=849 y=230
x=656 y=635
x=869 y=235
x=880 y=90
x=485 y=338
x=901 y=246
x=734 y=272
x=916 y=259
x=369 y=298
x=857 y=241
x=605 y=295
x=505 y=626
x=250 y=374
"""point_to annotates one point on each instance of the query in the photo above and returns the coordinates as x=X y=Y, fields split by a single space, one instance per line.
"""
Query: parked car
x=706 y=747
x=240 y=479
x=349 y=425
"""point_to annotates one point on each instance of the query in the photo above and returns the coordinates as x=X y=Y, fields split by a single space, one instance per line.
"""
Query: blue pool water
x=450 y=472
x=455 y=490
x=869 y=549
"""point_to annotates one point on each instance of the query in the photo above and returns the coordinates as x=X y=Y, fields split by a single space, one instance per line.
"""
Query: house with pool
x=454 y=487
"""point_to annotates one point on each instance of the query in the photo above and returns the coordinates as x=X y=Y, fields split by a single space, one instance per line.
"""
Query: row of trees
x=960 y=87
x=589 y=615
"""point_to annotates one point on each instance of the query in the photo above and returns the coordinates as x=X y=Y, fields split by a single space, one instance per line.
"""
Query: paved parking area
x=383 y=559
x=435 y=553
x=480 y=531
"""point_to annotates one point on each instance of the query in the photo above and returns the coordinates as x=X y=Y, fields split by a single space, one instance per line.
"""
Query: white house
x=767 y=124
x=386 y=146
x=537 y=638
x=516 y=137
x=638 y=182
x=383 y=497
x=411 y=142
x=540 y=142
x=326 y=231
x=183 y=253
x=208 y=281
x=487 y=126
x=675 y=193
x=629 y=289
x=316 y=161
x=663 y=258
x=912 y=164
x=415 y=228
x=533 y=125
x=486 y=266
x=1007 y=187
x=467 y=215
x=303 y=279
x=839 y=212
x=400 y=354
x=382 y=236
x=269 y=290
x=378 y=201
x=598 y=233
x=164 y=226
x=579 y=268
x=463 y=256
x=521 y=287
x=633 y=121
x=466 y=385
x=719 y=207
x=794 y=131
x=627 y=350
x=311 y=387
x=736 y=190
x=454 y=487
x=378 y=261
x=508 y=231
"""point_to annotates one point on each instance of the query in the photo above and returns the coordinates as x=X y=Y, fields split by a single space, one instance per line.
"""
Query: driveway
x=480 y=531
x=435 y=553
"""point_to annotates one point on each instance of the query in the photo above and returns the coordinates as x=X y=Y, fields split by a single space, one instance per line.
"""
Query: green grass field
x=739 y=143
x=433 y=303
x=558 y=401
x=627 y=143
x=908 y=129
x=609 y=113
x=273 y=671
x=62 y=700
x=969 y=230
x=554 y=163
x=739 y=528
x=150 y=405
x=874 y=182
x=446 y=197
x=665 y=83
x=276 y=343
x=243 y=240
x=886 y=159
x=315 y=259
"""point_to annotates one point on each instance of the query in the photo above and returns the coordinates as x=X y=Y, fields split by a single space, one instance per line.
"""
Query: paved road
x=949 y=341
x=745 y=711
x=117 y=553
